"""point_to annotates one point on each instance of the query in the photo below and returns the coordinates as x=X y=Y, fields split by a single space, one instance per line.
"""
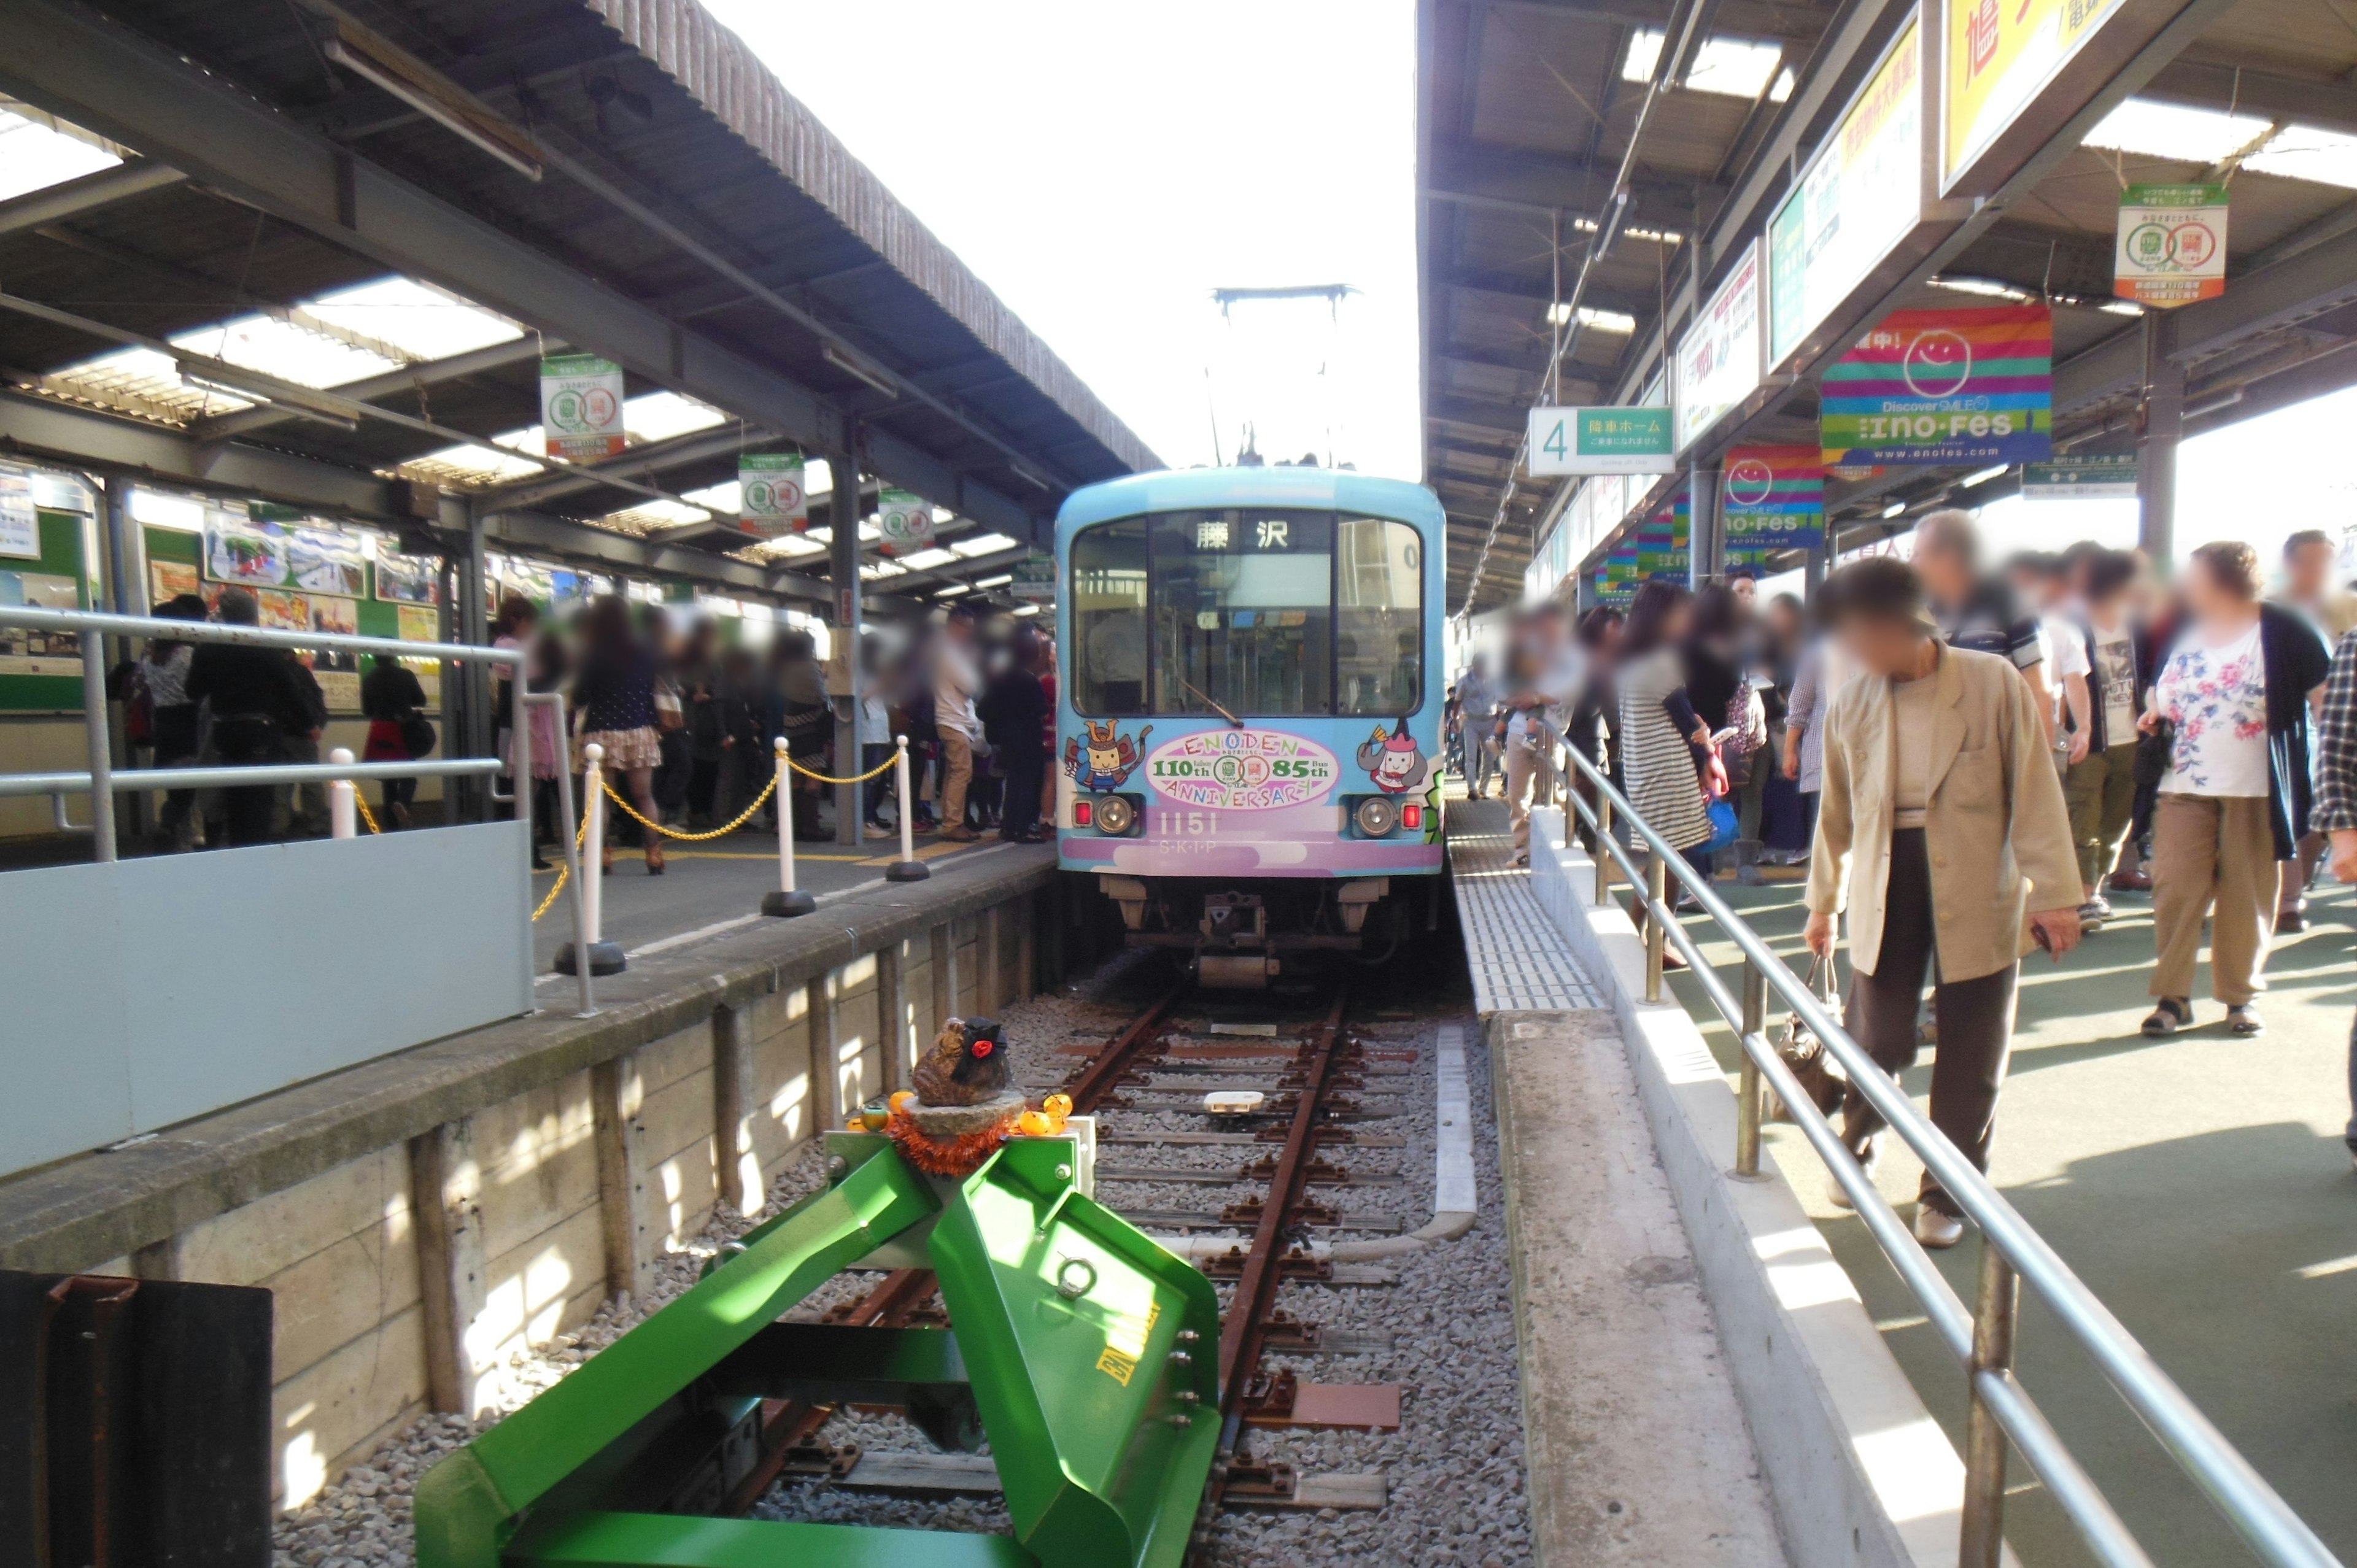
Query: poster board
x=41 y=671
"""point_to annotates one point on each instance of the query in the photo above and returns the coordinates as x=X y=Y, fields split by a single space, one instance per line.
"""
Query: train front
x=1248 y=725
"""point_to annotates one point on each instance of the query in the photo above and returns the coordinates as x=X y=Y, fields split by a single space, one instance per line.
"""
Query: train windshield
x=1247 y=612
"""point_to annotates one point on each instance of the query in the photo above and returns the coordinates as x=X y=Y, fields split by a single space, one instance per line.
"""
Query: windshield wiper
x=1211 y=704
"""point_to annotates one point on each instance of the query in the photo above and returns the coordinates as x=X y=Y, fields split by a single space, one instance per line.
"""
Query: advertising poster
x=408 y=579
x=1634 y=440
x=2172 y=244
x=581 y=407
x=325 y=561
x=1616 y=580
x=249 y=555
x=1858 y=199
x=1718 y=360
x=1945 y=386
x=904 y=523
x=1661 y=543
x=419 y=623
x=2000 y=53
x=772 y=496
x=20 y=527
x=1772 y=498
x=171 y=579
x=23 y=651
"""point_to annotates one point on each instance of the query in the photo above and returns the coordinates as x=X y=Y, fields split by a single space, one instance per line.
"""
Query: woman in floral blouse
x=2235 y=688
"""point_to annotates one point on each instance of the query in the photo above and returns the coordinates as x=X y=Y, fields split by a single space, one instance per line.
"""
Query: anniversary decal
x=1241 y=769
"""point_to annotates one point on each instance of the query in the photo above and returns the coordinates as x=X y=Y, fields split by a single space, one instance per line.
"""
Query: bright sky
x=1105 y=166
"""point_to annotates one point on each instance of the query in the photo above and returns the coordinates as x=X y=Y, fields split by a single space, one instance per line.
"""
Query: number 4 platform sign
x=2173 y=247
x=1601 y=441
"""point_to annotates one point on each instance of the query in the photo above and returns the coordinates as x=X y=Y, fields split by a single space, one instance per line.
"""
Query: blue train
x=1249 y=710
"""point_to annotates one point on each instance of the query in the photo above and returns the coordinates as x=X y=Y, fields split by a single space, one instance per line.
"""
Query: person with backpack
x=256 y=705
x=392 y=700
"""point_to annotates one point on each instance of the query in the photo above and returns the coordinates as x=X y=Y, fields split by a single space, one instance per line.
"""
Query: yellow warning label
x=1124 y=1343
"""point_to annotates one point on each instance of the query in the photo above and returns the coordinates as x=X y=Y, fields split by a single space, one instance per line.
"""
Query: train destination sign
x=1241 y=769
x=1601 y=441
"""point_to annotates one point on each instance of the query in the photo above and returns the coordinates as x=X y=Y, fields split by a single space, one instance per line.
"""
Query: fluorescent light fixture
x=1559 y=314
x=1733 y=68
x=218 y=375
x=860 y=368
x=2176 y=132
x=1989 y=287
x=2120 y=308
x=998 y=582
x=1984 y=475
x=1894 y=509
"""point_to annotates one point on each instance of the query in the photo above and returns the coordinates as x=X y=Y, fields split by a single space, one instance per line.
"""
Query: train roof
x=1183 y=490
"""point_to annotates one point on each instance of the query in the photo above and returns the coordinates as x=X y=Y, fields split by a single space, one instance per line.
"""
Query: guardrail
x=103 y=781
x=1981 y=1338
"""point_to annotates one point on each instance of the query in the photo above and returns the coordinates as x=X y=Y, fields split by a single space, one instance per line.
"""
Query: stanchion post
x=908 y=869
x=1748 y=1106
x=1657 y=899
x=605 y=957
x=343 y=812
x=788 y=900
x=1981 y=1539
x=1603 y=848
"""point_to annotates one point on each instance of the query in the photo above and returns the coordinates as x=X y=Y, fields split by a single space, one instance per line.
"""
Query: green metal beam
x=677 y=1540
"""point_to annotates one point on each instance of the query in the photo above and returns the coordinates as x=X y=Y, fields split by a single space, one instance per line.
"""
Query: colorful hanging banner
x=905 y=521
x=1662 y=543
x=581 y=407
x=2172 y=244
x=1945 y=386
x=772 y=495
x=1772 y=498
x=1617 y=579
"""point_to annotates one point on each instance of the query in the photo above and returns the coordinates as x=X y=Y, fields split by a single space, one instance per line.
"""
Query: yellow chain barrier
x=607 y=785
x=563 y=870
x=366 y=815
x=856 y=779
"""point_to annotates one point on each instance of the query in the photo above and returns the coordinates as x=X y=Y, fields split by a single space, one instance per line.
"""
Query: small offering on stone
x=963 y=1108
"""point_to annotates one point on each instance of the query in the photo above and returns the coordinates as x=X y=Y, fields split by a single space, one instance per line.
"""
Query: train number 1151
x=1183 y=824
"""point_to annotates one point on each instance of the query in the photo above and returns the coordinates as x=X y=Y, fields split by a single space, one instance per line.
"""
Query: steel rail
x=1090 y=1086
x=2254 y=1508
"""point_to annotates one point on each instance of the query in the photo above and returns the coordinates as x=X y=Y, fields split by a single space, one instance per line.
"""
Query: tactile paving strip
x=1519 y=961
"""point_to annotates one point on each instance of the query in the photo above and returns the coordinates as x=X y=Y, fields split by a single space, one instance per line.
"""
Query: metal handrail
x=101 y=781
x=1981 y=1338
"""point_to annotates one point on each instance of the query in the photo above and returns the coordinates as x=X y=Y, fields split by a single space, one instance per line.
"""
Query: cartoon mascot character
x=1107 y=760
x=1392 y=761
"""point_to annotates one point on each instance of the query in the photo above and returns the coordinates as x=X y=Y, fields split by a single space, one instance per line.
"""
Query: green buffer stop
x=1086 y=1350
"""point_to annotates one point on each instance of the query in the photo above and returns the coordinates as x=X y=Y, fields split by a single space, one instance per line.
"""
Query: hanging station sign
x=1718 y=360
x=581 y=407
x=773 y=494
x=904 y=520
x=1034 y=579
x=1859 y=198
x=2172 y=244
x=2080 y=478
x=2014 y=72
x=1772 y=498
x=1601 y=441
x=1943 y=386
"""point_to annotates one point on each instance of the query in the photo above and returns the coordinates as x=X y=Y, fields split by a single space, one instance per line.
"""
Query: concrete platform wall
x=408 y=1275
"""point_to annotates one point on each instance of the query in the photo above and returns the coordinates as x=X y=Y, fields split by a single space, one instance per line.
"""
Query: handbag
x=1724 y=827
x=1821 y=1077
x=416 y=733
x=2152 y=753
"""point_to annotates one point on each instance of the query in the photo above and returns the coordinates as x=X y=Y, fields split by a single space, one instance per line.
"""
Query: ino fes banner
x=1772 y=498
x=1943 y=386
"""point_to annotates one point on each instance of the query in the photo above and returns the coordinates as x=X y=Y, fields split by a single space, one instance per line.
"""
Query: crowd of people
x=1972 y=759
x=686 y=723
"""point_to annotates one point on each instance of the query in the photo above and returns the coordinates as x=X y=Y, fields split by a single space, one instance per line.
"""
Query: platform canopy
x=1679 y=127
x=381 y=217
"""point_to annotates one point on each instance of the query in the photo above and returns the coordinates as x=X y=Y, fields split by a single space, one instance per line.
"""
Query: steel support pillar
x=126 y=591
x=475 y=626
x=2162 y=425
x=843 y=568
x=1705 y=545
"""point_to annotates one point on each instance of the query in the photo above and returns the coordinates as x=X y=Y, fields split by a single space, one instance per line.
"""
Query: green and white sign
x=905 y=520
x=581 y=407
x=772 y=495
x=2172 y=244
x=1601 y=441
x=1034 y=580
x=2110 y=478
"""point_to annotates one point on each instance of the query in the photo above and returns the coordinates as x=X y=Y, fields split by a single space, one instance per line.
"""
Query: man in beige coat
x=1941 y=827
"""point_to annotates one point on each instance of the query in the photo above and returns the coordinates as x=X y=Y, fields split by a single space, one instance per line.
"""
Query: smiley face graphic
x=1937 y=363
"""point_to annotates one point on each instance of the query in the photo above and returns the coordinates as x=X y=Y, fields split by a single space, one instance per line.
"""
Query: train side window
x=1108 y=568
x=1243 y=603
x=1378 y=617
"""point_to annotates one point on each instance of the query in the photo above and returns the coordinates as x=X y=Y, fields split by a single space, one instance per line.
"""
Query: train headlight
x=1115 y=816
x=1377 y=815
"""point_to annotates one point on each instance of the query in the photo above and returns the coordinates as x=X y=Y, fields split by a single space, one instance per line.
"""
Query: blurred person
x=1785 y=824
x=1546 y=683
x=1666 y=753
x=1593 y=724
x=876 y=742
x=392 y=700
x=1818 y=676
x=955 y=681
x=799 y=712
x=162 y=676
x=615 y=691
x=1977 y=613
x=711 y=729
x=1719 y=651
x=742 y=704
x=2236 y=687
x=2336 y=805
x=2100 y=786
x=2042 y=585
x=255 y=705
x=1941 y=823
x=2309 y=559
x=301 y=810
x=1477 y=713
x=1013 y=711
x=547 y=667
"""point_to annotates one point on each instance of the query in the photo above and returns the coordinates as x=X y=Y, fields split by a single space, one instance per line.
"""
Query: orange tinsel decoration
x=959 y=1156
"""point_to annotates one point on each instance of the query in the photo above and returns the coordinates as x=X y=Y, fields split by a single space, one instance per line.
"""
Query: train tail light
x=1412 y=816
x=1082 y=811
